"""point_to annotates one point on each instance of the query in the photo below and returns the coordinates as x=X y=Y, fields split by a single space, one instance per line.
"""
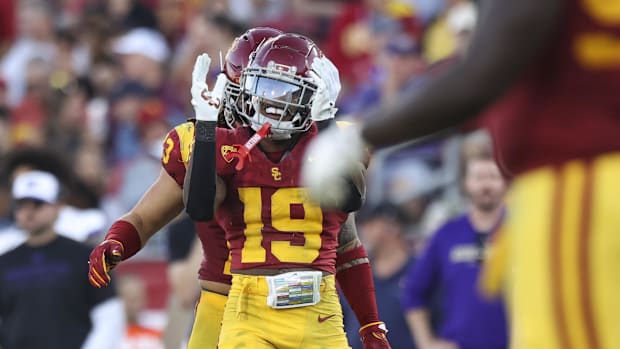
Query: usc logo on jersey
x=276 y=174
x=227 y=151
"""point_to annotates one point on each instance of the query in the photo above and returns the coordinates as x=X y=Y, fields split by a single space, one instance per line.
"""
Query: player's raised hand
x=374 y=336
x=334 y=155
x=102 y=259
x=207 y=104
x=327 y=78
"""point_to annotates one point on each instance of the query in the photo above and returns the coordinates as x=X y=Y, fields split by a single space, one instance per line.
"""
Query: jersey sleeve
x=177 y=148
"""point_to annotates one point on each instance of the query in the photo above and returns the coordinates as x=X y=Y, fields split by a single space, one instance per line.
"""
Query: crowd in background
x=101 y=82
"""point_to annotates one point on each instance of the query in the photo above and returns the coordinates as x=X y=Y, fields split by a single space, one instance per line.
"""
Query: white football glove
x=207 y=104
x=326 y=76
x=332 y=156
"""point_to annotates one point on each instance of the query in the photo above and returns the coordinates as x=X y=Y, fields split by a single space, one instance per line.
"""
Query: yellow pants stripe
x=559 y=254
x=570 y=255
x=586 y=258
x=604 y=247
x=556 y=242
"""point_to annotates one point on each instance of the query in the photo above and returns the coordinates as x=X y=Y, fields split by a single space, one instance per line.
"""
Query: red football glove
x=374 y=336
x=102 y=259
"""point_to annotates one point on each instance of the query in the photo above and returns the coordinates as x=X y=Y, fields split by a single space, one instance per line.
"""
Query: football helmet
x=235 y=61
x=277 y=85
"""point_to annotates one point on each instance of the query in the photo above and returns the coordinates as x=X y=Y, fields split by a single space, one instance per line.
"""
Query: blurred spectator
x=129 y=14
x=126 y=103
x=105 y=75
x=142 y=53
x=206 y=33
x=184 y=258
x=451 y=32
x=30 y=116
x=383 y=233
x=45 y=300
x=399 y=66
x=5 y=207
x=428 y=10
x=171 y=17
x=142 y=169
x=92 y=174
x=35 y=40
x=256 y=12
x=7 y=23
x=132 y=290
x=320 y=8
x=92 y=221
x=461 y=21
x=4 y=124
x=451 y=264
x=65 y=127
x=412 y=185
x=476 y=144
x=361 y=30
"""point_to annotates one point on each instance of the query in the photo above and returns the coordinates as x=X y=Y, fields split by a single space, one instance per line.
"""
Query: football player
x=163 y=201
x=284 y=247
x=552 y=70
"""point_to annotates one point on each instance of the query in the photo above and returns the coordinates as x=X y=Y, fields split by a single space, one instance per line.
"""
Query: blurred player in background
x=556 y=66
x=163 y=202
x=283 y=247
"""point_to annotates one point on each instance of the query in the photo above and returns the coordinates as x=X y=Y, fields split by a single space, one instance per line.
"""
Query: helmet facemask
x=232 y=91
x=275 y=94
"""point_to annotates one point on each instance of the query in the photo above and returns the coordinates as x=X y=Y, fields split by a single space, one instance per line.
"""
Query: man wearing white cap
x=44 y=300
x=143 y=52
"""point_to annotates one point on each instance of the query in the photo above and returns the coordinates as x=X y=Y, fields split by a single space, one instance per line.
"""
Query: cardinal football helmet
x=235 y=61
x=277 y=87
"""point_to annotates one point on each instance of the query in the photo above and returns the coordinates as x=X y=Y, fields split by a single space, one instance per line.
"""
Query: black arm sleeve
x=355 y=198
x=356 y=190
x=199 y=183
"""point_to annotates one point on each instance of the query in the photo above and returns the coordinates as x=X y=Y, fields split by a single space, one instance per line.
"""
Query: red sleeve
x=178 y=145
x=358 y=286
x=7 y=21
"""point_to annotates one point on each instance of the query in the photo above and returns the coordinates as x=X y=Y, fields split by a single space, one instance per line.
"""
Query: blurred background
x=95 y=85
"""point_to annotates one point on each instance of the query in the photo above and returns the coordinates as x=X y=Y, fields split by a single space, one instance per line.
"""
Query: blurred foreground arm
x=508 y=37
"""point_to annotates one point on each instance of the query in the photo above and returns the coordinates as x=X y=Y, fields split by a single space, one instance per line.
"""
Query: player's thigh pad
x=207 y=321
